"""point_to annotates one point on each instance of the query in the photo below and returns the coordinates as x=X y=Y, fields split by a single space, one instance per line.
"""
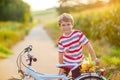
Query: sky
x=45 y=4
x=41 y=4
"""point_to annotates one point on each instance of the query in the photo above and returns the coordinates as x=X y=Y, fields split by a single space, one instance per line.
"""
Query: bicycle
x=30 y=72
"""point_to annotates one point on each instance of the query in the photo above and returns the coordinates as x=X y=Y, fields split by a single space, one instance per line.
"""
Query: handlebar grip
x=29 y=48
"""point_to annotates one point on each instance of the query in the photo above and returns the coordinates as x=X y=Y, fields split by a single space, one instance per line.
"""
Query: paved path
x=43 y=49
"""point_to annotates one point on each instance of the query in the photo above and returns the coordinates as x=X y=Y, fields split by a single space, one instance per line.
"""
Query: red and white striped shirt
x=71 y=46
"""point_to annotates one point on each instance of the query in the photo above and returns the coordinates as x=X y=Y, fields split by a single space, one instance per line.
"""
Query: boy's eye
x=63 y=25
x=68 y=24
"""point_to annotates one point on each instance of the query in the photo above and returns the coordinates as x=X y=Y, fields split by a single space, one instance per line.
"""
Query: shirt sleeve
x=60 y=47
x=83 y=39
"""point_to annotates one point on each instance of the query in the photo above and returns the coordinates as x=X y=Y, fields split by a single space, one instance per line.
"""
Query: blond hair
x=65 y=17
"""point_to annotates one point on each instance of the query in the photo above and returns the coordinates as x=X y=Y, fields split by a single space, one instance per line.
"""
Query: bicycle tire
x=91 y=77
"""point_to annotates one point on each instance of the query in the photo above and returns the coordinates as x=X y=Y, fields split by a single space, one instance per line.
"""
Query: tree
x=67 y=5
x=14 y=10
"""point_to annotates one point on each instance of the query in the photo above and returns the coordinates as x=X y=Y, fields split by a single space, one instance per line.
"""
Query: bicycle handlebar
x=30 y=57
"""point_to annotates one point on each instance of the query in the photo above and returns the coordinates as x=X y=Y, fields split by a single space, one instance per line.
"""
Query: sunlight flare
x=41 y=4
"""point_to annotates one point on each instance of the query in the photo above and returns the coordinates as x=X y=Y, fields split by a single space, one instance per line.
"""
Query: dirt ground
x=43 y=49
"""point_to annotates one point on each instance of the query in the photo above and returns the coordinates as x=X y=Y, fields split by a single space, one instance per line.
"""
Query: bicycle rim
x=91 y=78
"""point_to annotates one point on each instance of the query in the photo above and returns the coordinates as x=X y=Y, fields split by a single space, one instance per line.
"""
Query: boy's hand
x=97 y=61
x=61 y=71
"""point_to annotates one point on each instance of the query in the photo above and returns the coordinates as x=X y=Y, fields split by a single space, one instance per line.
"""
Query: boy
x=70 y=45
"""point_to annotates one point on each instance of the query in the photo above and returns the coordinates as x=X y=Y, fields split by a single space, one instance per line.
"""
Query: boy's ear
x=59 y=27
x=72 y=25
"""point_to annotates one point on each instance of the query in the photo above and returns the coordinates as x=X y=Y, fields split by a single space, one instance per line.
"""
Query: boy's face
x=66 y=27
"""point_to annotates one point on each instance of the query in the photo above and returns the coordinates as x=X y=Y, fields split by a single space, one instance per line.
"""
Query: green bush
x=8 y=37
x=11 y=33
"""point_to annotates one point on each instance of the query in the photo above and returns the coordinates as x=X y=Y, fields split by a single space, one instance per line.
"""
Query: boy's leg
x=76 y=73
x=66 y=72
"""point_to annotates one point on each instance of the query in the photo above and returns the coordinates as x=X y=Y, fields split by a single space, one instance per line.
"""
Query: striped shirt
x=71 y=46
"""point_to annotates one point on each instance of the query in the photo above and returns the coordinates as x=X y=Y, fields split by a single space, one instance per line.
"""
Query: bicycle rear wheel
x=91 y=77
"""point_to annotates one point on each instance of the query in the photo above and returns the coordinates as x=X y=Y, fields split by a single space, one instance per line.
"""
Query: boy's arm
x=92 y=53
x=60 y=58
x=61 y=62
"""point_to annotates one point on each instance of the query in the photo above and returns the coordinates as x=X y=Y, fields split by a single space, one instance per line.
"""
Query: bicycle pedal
x=18 y=77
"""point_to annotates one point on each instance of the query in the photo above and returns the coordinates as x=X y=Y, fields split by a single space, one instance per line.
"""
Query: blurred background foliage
x=10 y=34
x=15 y=22
x=103 y=24
x=14 y=10
x=77 y=5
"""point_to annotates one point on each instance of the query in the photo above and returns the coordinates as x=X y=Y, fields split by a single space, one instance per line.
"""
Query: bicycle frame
x=29 y=71
x=37 y=76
